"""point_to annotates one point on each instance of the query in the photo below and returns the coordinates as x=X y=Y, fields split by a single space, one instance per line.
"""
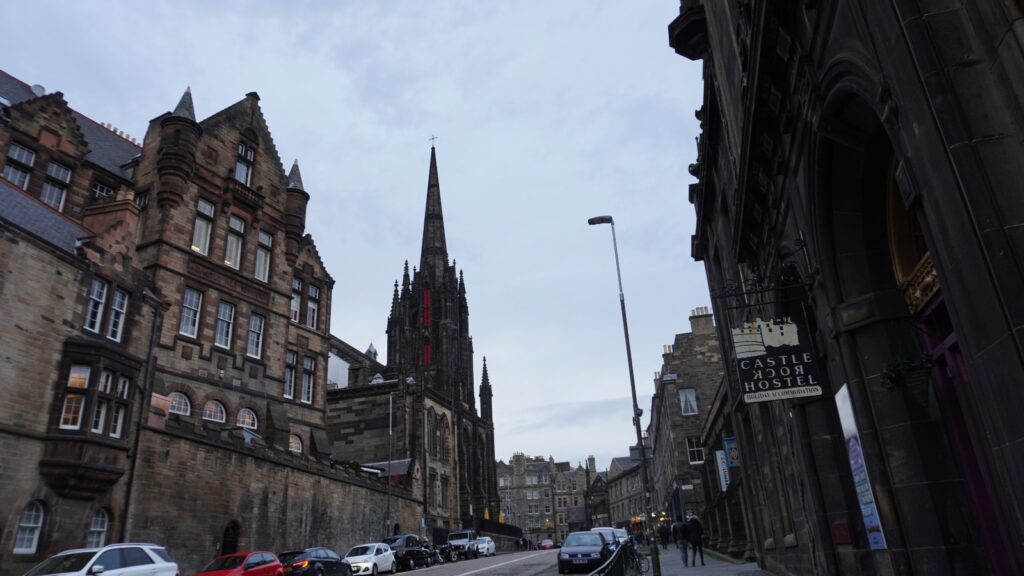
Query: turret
x=295 y=213
x=485 y=394
x=179 y=140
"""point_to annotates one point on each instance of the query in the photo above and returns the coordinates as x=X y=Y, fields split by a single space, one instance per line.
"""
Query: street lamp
x=652 y=546
x=387 y=514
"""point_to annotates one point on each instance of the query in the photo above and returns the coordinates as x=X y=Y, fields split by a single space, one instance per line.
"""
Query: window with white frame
x=97 y=536
x=30 y=524
x=262 y=271
x=246 y=419
x=295 y=443
x=694 y=450
x=308 y=372
x=688 y=401
x=290 y=360
x=296 y=304
x=214 y=411
x=19 y=165
x=191 y=303
x=117 y=420
x=243 y=164
x=255 y=345
x=312 y=306
x=118 y=308
x=203 y=226
x=100 y=190
x=233 y=246
x=97 y=299
x=225 y=324
x=58 y=176
x=74 y=397
x=180 y=404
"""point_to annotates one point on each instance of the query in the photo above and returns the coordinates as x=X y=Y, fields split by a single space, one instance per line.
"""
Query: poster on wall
x=732 y=451
x=861 y=481
x=775 y=361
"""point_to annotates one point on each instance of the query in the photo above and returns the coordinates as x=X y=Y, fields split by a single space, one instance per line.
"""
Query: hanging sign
x=732 y=451
x=774 y=360
x=723 y=469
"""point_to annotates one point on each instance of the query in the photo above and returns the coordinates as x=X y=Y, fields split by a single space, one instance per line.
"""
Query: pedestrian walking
x=664 y=534
x=695 y=533
x=680 y=535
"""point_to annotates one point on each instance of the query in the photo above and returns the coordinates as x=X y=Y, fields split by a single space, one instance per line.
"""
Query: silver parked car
x=486 y=546
x=113 y=560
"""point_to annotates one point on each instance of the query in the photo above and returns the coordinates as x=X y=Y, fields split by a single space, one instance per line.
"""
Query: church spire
x=184 y=107
x=486 y=411
x=434 y=253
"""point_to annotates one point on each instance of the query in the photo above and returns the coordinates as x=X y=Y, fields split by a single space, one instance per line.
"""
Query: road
x=532 y=563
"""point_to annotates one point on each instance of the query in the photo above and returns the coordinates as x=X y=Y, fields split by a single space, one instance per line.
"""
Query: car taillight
x=301 y=564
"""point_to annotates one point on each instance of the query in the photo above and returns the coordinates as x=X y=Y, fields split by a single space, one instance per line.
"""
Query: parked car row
x=586 y=551
x=402 y=552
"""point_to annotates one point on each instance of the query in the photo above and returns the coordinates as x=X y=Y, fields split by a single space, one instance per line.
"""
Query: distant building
x=691 y=372
x=626 y=494
x=540 y=495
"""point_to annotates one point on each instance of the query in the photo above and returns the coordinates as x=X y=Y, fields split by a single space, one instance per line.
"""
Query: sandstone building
x=166 y=355
x=683 y=391
x=540 y=495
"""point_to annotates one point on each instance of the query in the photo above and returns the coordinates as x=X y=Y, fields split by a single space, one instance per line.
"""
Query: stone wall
x=188 y=490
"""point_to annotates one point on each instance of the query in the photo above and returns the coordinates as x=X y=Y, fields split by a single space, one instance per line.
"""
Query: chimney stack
x=701 y=321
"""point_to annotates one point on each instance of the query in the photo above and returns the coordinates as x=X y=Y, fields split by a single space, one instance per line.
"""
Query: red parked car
x=256 y=563
x=547 y=544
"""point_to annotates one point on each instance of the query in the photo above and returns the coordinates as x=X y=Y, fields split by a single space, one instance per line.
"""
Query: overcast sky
x=546 y=112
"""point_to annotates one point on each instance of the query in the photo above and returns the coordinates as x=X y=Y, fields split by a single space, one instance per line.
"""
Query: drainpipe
x=144 y=403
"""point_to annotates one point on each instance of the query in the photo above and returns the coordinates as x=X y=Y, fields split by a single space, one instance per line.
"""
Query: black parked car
x=583 y=552
x=314 y=562
x=409 y=551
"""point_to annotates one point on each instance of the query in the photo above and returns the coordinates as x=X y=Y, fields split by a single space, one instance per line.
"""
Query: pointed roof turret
x=371 y=351
x=295 y=177
x=434 y=252
x=485 y=380
x=184 y=107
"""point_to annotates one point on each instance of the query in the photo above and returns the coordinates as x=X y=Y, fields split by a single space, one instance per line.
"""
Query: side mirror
x=96 y=569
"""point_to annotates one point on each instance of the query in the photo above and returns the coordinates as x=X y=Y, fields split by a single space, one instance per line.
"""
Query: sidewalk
x=715 y=565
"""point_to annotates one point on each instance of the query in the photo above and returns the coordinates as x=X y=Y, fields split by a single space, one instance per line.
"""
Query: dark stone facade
x=859 y=172
x=429 y=379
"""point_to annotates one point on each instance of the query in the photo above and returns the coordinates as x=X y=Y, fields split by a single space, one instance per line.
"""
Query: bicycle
x=636 y=561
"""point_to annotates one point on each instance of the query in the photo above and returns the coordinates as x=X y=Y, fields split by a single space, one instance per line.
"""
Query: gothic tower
x=428 y=335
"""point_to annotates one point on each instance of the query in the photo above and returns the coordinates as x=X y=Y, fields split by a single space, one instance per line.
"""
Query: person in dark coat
x=680 y=535
x=664 y=534
x=695 y=534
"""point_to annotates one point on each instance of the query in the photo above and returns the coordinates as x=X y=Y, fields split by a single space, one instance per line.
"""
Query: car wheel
x=374 y=571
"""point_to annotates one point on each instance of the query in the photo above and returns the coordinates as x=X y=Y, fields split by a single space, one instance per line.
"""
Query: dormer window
x=19 y=165
x=243 y=164
x=58 y=176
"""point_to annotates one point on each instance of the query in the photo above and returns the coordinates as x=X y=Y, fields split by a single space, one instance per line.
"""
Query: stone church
x=420 y=419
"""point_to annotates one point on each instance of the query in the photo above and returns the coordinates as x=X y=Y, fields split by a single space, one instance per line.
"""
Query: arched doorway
x=229 y=542
x=900 y=344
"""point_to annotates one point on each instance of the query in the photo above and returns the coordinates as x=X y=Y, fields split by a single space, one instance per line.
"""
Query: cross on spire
x=432 y=138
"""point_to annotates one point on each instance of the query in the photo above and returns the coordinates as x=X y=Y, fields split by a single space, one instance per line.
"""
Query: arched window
x=295 y=443
x=214 y=411
x=445 y=435
x=246 y=419
x=180 y=404
x=30 y=524
x=97 y=536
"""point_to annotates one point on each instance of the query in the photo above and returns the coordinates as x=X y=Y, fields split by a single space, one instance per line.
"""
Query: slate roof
x=106 y=149
x=39 y=220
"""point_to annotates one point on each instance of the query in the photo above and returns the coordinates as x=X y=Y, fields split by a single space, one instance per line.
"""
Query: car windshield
x=458 y=536
x=621 y=533
x=359 y=551
x=289 y=557
x=224 y=563
x=391 y=541
x=583 y=540
x=62 y=563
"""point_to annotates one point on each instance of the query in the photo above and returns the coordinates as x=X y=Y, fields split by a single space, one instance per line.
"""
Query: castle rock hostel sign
x=774 y=361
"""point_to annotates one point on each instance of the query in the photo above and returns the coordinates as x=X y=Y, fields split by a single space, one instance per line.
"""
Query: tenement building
x=422 y=410
x=626 y=494
x=683 y=390
x=858 y=213
x=167 y=343
x=541 y=496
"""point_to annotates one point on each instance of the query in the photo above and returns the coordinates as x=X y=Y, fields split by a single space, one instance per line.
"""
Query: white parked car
x=113 y=560
x=486 y=546
x=371 y=558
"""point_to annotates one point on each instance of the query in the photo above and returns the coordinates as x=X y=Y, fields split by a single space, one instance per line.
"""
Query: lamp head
x=601 y=220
